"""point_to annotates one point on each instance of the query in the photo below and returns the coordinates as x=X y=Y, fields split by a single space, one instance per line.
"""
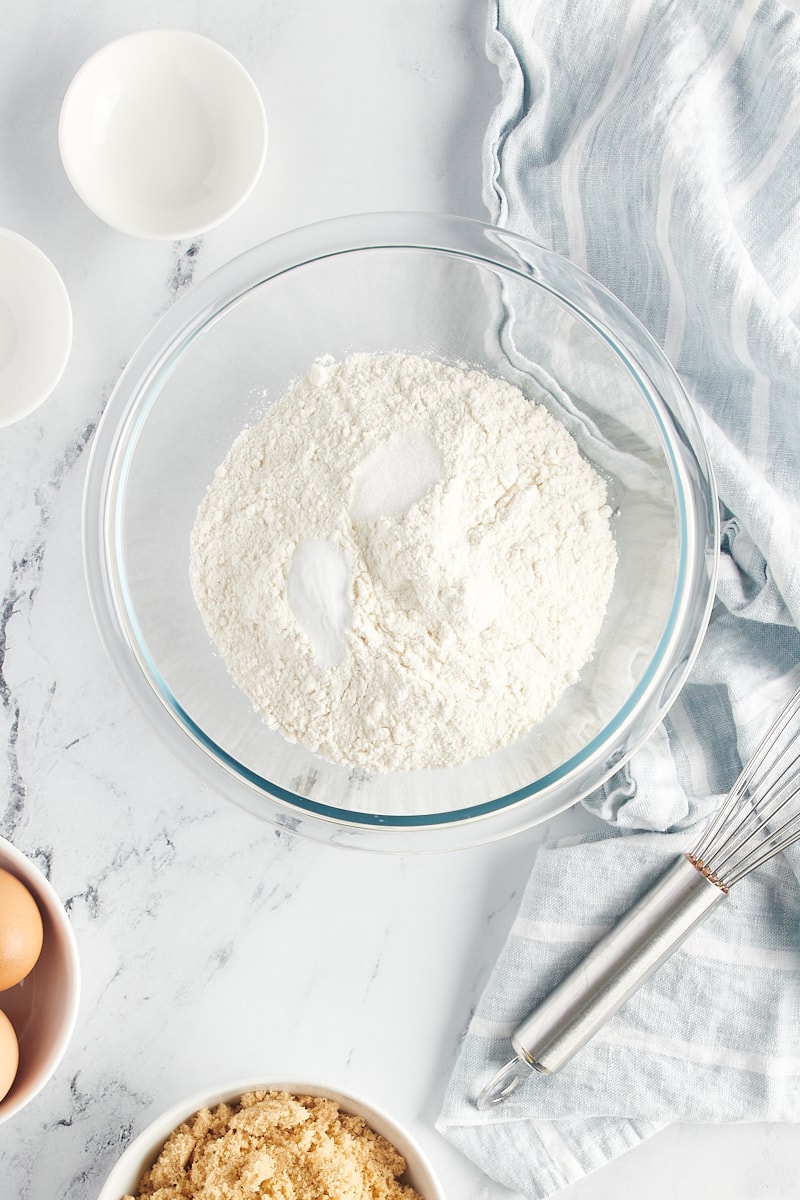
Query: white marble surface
x=212 y=946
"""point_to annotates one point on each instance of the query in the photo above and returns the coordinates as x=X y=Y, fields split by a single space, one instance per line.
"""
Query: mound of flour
x=404 y=564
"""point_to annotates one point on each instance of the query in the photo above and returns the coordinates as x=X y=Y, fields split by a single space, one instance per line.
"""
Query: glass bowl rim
x=137 y=391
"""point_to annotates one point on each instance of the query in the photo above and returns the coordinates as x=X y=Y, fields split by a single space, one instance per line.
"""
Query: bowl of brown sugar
x=273 y=1138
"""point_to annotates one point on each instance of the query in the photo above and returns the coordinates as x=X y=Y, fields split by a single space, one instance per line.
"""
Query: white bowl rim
x=56 y=909
x=106 y=213
x=58 y=351
x=153 y=1136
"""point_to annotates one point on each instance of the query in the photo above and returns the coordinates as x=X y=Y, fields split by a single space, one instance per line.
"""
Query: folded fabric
x=657 y=145
x=712 y=1036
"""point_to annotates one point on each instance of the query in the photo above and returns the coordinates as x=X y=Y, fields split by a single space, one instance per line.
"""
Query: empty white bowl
x=43 y=1007
x=143 y=1150
x=35 y=327
x=163 y=134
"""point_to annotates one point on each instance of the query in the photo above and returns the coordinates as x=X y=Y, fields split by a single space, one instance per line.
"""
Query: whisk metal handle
x=618 y=965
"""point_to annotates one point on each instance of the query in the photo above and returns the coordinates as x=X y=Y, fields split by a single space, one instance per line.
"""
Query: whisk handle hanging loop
x=616 y=967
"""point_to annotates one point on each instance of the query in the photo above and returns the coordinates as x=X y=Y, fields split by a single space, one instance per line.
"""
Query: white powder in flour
x=405 y=563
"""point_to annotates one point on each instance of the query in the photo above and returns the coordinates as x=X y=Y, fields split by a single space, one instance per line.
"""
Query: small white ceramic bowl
x=163 y=134
x=143 y=1151
x=35 y=327
x=43 y=1007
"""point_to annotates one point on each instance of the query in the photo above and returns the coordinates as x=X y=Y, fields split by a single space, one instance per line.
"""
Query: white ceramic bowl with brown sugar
x=144 y=1150
x=42 y=1007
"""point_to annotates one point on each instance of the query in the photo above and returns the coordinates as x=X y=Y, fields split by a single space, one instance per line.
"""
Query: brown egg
x=9 y=1055
x=20 y=931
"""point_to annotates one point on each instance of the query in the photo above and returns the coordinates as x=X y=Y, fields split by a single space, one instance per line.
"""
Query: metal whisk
x=760 y=817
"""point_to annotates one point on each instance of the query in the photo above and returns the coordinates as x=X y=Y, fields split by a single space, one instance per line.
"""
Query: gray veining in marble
x=214 y=946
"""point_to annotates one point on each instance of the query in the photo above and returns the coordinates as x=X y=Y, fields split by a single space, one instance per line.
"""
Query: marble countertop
x=214 y=946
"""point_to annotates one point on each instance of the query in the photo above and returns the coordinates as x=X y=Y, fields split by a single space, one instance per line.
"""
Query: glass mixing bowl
x=462 y=292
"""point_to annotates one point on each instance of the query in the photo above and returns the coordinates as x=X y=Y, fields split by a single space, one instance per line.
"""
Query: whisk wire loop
x=760 y=817
x=744 y=834
x=766 y=799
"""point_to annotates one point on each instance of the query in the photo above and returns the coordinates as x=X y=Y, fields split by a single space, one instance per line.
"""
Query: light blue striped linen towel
x=657 y=145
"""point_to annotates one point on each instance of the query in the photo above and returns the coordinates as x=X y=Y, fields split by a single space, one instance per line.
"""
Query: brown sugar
x=276 y=1146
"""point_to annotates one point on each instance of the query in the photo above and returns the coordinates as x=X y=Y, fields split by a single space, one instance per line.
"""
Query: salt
x=395 y=476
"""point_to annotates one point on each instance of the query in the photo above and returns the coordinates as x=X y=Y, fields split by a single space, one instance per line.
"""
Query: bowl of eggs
x=39 y=981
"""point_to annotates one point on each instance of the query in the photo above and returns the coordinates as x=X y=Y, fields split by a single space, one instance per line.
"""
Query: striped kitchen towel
x=656 y=144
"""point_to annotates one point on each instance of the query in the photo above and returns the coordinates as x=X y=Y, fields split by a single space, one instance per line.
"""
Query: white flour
x=404 y=563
